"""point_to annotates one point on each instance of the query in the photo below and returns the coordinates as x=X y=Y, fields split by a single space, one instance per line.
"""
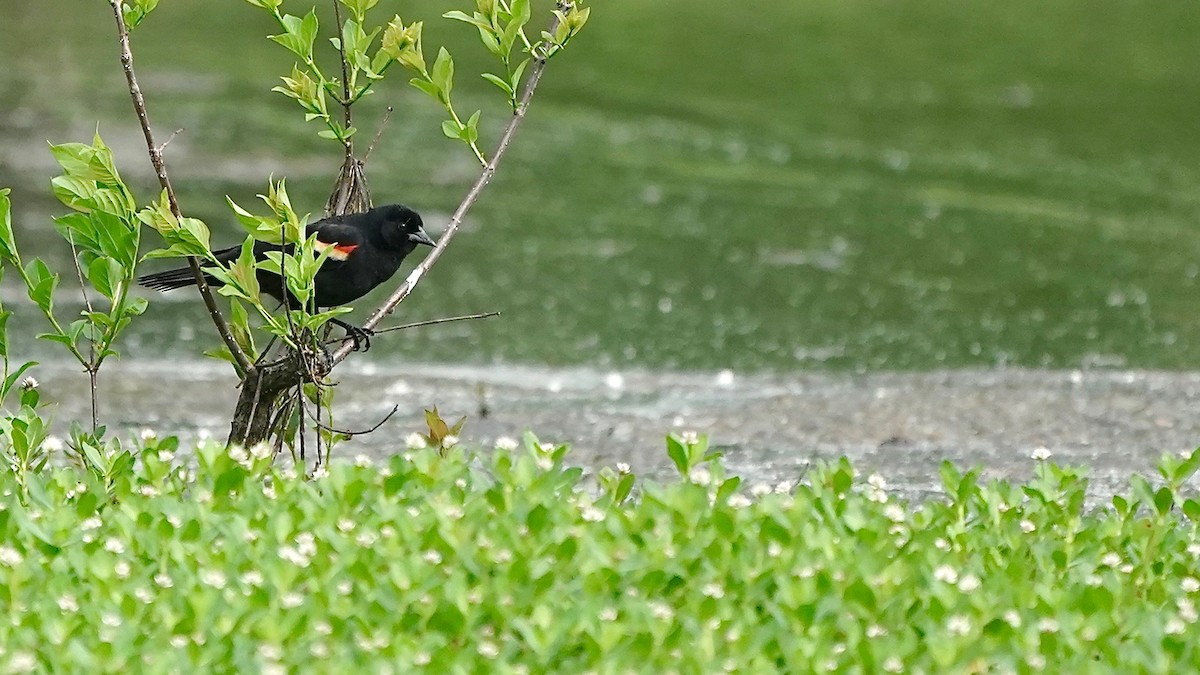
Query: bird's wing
x=341 y=239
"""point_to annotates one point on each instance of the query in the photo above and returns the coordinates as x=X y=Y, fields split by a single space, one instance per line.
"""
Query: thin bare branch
x=160 y=168
x=352 y=434
x=169 y=139
x=387 y=114
x=92 y=366
x=397 y=296
x=418 y=324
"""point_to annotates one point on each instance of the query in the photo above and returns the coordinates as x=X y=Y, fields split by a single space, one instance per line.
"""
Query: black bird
x=367 y=250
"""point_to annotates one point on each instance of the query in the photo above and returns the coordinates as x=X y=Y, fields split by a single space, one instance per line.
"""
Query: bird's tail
x=177 y=278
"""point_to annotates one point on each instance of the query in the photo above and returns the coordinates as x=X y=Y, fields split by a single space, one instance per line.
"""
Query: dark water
x=702 y=185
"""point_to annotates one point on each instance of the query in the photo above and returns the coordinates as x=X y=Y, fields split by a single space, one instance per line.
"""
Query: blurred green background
x=841 y=184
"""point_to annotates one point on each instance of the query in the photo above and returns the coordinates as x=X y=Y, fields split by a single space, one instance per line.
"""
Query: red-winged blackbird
x=367 y=250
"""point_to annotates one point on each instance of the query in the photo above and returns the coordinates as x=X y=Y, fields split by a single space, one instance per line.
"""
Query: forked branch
x=160 y=169
x=489 y=170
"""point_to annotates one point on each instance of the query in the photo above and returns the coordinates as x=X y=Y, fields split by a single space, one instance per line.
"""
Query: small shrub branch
x=160 y=169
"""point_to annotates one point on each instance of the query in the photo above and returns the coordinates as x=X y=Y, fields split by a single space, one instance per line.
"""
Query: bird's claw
x=360 y=338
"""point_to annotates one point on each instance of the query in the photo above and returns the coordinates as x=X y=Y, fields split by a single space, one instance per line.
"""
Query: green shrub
x=512 y=562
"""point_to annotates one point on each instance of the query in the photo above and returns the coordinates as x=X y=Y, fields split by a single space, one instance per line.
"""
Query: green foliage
x=104 y=233
x=501 y=26
x=513 y=562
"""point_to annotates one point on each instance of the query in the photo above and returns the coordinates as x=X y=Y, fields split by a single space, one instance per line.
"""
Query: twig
x=535 y=75
x=387 y=114
x=337 y=16
x=418 y=324
x=92 y=366
x=169 y=139
x=351 y=434
x=160 y=168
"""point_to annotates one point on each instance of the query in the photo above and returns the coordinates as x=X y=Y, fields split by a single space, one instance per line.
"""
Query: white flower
x=894 y=513
x=1190 y=584
x=148 y=491
x=363 y=461
x=876 y=481
x=214 y=578
x=591 y=514
x=387 y=531
x=114 y=545
x=319 y=650
x=544 y=462
x=291 y=600
x=1174 y=627
x=111 y=620
x=1036 y=661
x=293 y=556
x=261 y=451
x=121 y=569
x=68 y=604
x=306 y=543
x=713 y=590
x=506 y=443
x=163 y=580
x=252 y=578
x=22 y=662
x=453 y=512
x=269 y=491
x=345 y=524
x=941 y=544
x=760 y=490
x=415 y=441
x=422 y=658
x=875 y=630
x=1040 y=454
x=608 y=614
x=179 y=641
x=489 y=649
x=689 y=437
x=432 y=557
x=700 y=475
x=238 y=454
x=1187 y=610
x=662 y=611
x=1111 y=559
x=1127 y=568
x=893 y=664
x=1047 y=625
x=1012 y=618
x=946 y=574
x=270 y=652
x=10 y=557
x=774 y=549
x=739 y=501
x=1194 y=549
x=29 y=383
x=1028 y=526
x=142 y=593
x=53 y=444
x=968 y=583
x=503 y=556
x=623 y=468
x=958 y=625
x=366 y=538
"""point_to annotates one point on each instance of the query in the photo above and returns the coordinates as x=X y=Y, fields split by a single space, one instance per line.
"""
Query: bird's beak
x=421 y=238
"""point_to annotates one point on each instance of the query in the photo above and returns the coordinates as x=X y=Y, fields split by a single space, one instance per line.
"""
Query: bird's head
x=402 y=227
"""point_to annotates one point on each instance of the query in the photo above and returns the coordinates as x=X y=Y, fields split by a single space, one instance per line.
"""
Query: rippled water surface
x=766 y=186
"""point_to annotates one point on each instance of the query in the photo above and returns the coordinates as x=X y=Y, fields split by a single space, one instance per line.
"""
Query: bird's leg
x=359 y=337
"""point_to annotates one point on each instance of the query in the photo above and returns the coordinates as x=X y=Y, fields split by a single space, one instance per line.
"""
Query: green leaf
x=442 y=75
x=451 y=129
x=499 y=82
x=8 y=243
x=427 y=87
